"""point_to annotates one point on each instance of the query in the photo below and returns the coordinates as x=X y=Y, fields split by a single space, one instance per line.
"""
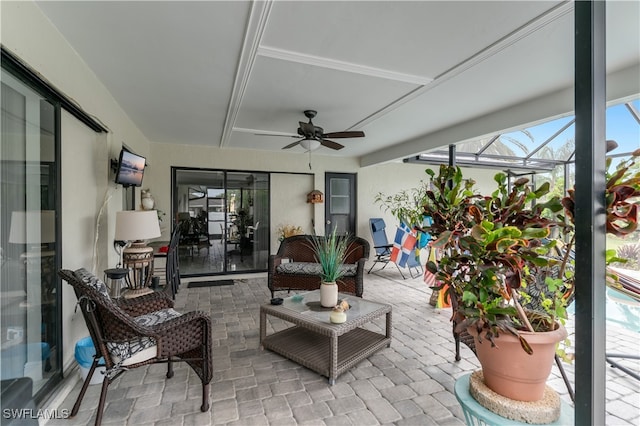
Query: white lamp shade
x=24 y=227
x=310 y=144
x=135 y=225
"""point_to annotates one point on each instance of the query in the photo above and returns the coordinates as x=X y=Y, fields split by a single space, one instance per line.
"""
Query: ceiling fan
x=313 y=136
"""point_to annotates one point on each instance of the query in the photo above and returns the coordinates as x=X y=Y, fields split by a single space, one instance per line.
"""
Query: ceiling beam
x=622 y=86
x=301 y=58
x=256 y=25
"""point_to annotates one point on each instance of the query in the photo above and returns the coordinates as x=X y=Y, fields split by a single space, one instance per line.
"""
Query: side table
x=477 y=415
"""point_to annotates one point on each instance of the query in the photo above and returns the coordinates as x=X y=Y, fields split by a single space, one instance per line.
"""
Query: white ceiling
x=215 y=73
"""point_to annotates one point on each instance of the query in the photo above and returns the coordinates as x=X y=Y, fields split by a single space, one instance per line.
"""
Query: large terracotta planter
x=509 y=371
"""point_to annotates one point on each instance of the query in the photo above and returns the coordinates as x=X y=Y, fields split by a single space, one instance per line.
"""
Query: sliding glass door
x=224 y=220
x=30 y=314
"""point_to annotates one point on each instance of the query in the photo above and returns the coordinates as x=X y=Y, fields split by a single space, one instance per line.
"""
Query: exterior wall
x=288 y=205
x=83 y=183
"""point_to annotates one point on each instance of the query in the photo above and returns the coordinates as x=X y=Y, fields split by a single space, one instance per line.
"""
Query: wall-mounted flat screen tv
x=130 y=169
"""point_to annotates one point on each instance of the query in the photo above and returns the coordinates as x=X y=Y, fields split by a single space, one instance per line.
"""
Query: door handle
x=328 y=222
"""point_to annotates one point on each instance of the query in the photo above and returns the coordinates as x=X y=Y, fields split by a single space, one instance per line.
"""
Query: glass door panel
x=248 y=209
x=30 y=331
x=233 y=208
x=340 y=206
x=218 y=231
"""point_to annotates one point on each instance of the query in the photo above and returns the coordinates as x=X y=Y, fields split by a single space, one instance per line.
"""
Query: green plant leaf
x=468 y=297
x=531 y=233
x=442 y=240
x=503 y=245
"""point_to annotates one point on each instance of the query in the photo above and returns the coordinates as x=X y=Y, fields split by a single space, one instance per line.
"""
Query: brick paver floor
x=410 y=383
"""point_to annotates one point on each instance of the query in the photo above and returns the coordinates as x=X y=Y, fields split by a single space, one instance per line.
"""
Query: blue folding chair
x=383 y=247
x=413 y=264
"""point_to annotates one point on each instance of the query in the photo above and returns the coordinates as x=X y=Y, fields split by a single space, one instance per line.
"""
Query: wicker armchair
x=131 y=333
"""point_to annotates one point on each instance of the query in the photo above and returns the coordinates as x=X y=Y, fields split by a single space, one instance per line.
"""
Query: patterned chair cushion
x=92 y=281
x=144 y=348
x=312 y=268
x=157 y=317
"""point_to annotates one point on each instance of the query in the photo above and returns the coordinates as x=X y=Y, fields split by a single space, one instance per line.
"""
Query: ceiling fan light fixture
x=310 y=144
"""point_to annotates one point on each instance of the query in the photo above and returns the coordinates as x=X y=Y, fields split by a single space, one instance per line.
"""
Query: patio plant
x=330 y=252
x=622 y=194
x=494 y=245
x=498 y=240
x=491 y=247
x=285 y=231
x=495 y=248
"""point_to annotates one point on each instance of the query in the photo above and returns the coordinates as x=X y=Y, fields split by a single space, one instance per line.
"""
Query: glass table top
x=308 y=303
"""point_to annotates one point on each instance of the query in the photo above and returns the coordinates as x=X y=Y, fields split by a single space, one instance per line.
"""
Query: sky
x=621 y=126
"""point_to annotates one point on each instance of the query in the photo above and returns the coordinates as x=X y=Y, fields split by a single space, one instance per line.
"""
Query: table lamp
x=24 y=228
x=136 y=226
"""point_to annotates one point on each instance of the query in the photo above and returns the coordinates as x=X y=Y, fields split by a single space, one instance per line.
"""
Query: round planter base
x=546 y=410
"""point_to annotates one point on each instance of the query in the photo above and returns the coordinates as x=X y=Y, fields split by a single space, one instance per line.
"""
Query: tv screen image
x=130 y=169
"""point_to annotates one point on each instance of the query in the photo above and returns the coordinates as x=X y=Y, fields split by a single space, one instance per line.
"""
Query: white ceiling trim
x=510 y=39
x=255 y=29
x=263 y=132
x=318 y=61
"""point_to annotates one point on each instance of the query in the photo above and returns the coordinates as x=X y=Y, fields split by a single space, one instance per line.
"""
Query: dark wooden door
x=340 y=203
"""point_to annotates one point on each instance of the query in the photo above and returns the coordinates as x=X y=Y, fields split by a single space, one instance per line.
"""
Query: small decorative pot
x=147 y=203
x=328 y=294
x=337 y=316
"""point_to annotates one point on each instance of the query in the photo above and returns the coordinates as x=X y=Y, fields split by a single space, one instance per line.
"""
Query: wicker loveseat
x=301 y=271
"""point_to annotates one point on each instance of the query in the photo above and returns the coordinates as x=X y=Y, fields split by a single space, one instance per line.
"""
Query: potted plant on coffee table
x=491 y=246
x=330 y=252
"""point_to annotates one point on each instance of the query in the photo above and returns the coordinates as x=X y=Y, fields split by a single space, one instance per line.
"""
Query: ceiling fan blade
x=291 y=145
x=278 y=135
x=331 y=144
x=337 y=135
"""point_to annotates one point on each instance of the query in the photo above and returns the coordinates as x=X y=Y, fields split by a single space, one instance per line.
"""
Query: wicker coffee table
x=314 y=342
